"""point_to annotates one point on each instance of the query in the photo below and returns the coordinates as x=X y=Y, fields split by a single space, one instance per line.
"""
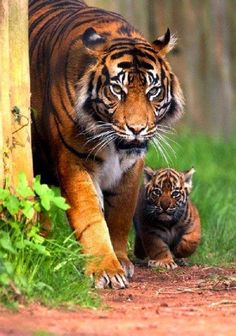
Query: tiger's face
x=131 y=91
x=167 y=193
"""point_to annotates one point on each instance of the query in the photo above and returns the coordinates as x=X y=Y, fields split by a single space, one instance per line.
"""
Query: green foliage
x=43 y=333
x=33 y=267
x=213 y=190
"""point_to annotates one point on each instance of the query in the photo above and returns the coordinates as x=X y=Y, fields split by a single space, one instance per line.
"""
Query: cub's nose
x=164 y=203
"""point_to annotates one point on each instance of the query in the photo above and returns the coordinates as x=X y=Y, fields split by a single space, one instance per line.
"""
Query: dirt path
x=185 y=301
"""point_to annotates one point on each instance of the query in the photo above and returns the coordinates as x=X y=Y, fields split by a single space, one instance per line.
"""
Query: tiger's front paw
x=107 y=273
x=116 y=281
x=163 y=263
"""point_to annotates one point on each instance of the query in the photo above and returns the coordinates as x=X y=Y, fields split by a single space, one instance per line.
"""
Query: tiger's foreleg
x=119 y=211
x=87 y=219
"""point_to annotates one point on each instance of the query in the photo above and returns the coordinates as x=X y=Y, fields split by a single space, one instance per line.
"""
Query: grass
x=59 y=279
x=55 y=278
x=32 y=268
x=214 y=186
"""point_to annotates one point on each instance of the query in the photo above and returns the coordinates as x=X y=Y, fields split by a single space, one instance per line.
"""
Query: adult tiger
x=99 y=90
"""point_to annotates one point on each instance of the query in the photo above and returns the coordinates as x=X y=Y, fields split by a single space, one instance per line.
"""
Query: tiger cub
x=167 y=224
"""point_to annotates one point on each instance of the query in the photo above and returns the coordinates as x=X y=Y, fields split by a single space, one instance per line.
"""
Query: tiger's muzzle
x=133 y=138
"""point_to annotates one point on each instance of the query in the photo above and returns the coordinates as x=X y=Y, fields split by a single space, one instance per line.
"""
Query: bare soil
x=186 y=301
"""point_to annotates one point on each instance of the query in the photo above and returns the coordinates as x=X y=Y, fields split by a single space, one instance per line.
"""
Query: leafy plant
x=32 y=266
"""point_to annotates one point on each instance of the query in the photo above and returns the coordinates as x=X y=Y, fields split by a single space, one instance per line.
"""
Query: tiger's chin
x=134 y=147
x=164 y=217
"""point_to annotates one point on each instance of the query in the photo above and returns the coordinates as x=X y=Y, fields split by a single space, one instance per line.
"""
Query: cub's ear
x=188 y=174
x=93 y=40
x=148 y=174
x=164 y=44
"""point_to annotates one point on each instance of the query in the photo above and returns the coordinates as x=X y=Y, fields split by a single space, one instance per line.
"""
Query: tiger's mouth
x=131 y=147
x=164 y=216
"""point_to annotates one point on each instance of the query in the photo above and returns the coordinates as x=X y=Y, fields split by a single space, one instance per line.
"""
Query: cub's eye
x=176 y=194
x=156 y=192
x=154 y=92
x=116 y=89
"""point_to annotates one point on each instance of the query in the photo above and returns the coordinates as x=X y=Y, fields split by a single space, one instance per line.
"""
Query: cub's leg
x=158 y=251
x=119 y=211
x=191 y=239
x=87 y=219
x=139 y=251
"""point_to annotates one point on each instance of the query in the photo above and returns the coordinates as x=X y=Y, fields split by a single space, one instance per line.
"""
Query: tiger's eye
x=116 y=89
x=176 y=194
x=156 y=192
x=155 y=91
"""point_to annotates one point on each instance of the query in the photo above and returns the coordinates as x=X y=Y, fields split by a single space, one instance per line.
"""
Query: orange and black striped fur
x=167 y=223
x=100 y=92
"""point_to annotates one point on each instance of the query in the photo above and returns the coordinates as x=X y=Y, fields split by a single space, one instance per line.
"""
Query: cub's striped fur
x=167 y=223
x=100 y=92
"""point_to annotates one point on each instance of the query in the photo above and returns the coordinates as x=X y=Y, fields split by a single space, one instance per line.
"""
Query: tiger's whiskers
x=160 y=142
x=104 y=139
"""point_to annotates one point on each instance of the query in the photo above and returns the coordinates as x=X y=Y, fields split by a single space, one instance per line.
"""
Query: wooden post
x=15 y=142
x=5 y=117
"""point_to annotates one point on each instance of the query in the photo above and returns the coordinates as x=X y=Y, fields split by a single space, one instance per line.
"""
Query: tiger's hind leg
x=186 y=247
x=119 y=211
x=191 y=239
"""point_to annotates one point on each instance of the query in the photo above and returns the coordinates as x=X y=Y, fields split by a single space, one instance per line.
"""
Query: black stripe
x=133 y=52
x=125 y=65
x=105 y=73
x=44 y=29
x=36 y=5
x=130 y=42
x=66 y=110
x=42 y=17
x=74 y=151
x=146 y=65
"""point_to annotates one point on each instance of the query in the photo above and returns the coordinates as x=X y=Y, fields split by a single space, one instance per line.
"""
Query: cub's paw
x=116 y=281
x=181 y=262
x=165 y=263
x=127 y=266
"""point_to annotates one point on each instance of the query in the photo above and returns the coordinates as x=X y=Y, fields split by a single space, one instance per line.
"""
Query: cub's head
x=167 y=193
x=126 y=89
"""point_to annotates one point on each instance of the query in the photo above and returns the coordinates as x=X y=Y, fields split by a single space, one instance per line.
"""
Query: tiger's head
x=126 y=89
x=167 y=193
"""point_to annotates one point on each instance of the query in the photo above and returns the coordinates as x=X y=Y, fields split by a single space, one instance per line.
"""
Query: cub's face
x=132 y=90
x=167 y=193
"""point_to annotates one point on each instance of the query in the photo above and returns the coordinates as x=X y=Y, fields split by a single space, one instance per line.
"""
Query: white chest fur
x=113 y=168
x=110 y=173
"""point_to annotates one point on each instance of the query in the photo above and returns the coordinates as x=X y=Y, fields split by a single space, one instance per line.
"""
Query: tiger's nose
x=136 y=129
x=164 y=203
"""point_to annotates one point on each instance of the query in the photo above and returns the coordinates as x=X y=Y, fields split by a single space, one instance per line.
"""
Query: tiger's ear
x=148 y=174
x=94 y=41
x=164 y=44
x=188 y=179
